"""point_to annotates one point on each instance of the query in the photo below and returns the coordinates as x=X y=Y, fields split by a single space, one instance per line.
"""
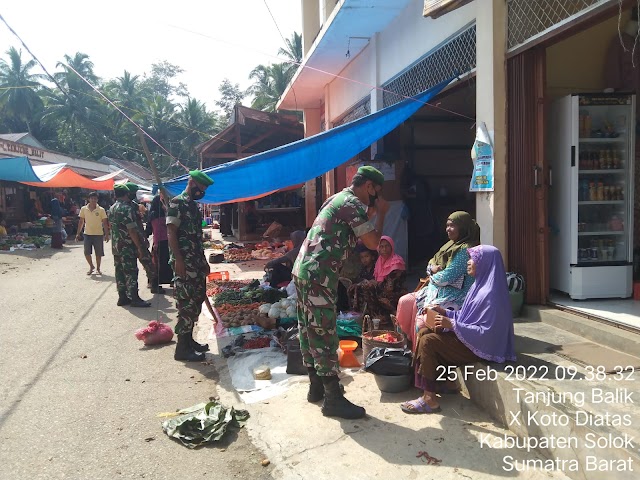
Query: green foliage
x=69 y=116
x=271 y=81
x=230 y=96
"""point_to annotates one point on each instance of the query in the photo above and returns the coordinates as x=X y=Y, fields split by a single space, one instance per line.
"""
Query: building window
x=527 y=19
x=359 y=110
x=457 y=56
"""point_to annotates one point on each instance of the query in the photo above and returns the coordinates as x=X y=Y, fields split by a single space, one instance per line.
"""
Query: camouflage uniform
x=122 y=217
x=190 y=292
x=145 y=259
x=331 y=239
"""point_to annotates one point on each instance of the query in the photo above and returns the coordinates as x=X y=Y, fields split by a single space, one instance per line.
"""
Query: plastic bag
x=155 y=333
x=291 y=289
x=389 y=361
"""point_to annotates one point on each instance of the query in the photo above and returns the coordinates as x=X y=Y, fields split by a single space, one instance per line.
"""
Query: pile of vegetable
x=239 y=302
x=238 y=255
x=22 y=241
x=385 y=337
x=216 y=287
x=285 y=308
x=265 y=253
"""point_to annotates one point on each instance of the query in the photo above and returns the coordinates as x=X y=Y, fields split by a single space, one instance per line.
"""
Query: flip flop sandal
x=418 y=406
x=98 y=272
x=90 y=272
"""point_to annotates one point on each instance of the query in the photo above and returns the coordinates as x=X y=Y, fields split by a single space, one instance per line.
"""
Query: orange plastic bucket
x=348 y=359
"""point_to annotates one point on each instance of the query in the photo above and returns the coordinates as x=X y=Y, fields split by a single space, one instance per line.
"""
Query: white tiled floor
x=625 y=312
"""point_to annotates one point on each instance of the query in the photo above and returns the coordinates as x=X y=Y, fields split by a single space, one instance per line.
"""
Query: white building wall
x=409 y=37
x=344 y=93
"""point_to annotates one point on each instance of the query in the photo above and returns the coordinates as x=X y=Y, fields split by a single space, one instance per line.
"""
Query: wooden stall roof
x=250 y=132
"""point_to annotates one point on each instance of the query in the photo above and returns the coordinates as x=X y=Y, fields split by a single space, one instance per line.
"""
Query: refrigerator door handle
x=535 y=176
x=550 y=177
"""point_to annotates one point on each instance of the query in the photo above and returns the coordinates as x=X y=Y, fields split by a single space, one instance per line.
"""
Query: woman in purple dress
x=481 y=330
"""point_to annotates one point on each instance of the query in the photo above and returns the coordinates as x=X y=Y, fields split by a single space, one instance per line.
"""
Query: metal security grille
x=359 y=110
x=528 y=18
x=455 y=57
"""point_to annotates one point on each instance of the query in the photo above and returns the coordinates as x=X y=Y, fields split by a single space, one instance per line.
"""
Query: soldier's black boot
x=316 y=389
x=157 y=289
x=123 y=299
x=335 y=405
x=136 y=301
x=199 y=347
x=184 y=350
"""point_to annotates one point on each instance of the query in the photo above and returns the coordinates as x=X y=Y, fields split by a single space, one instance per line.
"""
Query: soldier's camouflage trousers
x=316 y=313
x=147 y=263
x=126 y=267
x=189 y=295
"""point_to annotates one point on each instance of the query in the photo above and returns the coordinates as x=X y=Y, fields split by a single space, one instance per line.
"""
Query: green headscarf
x=469 y=237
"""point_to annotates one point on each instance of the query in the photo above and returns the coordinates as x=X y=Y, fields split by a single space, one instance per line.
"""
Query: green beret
x=201 y=177
x=371 y=173
x=120 y=190
x=132 y=187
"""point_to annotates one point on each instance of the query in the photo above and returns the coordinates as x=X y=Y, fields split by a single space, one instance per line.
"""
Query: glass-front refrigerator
x=591 y=147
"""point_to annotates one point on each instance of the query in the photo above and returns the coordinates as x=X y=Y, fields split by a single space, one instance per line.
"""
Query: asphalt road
x=80 y=395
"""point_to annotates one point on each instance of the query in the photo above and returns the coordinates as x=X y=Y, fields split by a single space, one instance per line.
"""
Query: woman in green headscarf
x=447 y=270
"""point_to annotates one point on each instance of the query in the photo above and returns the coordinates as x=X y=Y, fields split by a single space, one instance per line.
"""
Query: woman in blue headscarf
x=481 y=330
x=56 y=216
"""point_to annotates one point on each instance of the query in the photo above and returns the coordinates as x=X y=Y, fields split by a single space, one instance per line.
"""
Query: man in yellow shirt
x=96 y=231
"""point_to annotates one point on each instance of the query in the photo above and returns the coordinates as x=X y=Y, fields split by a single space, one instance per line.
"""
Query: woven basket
x=369 y=343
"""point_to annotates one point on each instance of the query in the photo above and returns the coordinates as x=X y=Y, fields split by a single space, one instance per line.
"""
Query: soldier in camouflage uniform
x=342 y=220
x=184 y=229
x=144 y=255
x=125 y=242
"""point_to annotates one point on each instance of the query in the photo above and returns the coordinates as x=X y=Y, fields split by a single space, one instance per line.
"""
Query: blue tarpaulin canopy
x=17 y=169
x=305 y=159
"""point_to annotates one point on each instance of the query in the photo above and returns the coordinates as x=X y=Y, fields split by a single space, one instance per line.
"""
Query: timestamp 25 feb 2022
x=598 y=398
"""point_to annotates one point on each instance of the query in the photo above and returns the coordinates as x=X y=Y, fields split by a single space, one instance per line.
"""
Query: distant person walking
x=96 y=231
x=157 y=225
x=56 y=215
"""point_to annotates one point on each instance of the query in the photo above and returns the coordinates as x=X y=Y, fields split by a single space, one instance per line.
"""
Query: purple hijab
x=485 y=323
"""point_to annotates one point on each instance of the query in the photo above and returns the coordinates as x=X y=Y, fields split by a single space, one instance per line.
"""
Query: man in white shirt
x=96 y=231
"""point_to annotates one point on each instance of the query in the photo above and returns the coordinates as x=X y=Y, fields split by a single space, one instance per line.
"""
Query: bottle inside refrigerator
x=591 y=148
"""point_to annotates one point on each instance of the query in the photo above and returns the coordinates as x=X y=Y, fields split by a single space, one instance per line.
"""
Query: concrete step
x=584 y=422
x=618 y=337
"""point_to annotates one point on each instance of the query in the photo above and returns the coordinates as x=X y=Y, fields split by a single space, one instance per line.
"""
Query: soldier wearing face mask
x=184 y=229
x=343 y=219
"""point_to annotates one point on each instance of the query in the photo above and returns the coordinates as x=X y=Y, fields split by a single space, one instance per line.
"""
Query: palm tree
x=293 y=50
x=270 y=84
x=197 y=124
x=76 y=109
x=126 y=93
x=19 y=88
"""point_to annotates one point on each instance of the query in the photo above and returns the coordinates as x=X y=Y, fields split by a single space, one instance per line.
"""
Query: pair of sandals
x=420 y=406
x=90 y=272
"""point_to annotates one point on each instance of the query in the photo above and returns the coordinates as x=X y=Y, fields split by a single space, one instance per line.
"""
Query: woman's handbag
x=421 y=284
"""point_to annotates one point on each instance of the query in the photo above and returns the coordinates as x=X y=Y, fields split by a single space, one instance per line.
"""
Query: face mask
x=196 y=193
